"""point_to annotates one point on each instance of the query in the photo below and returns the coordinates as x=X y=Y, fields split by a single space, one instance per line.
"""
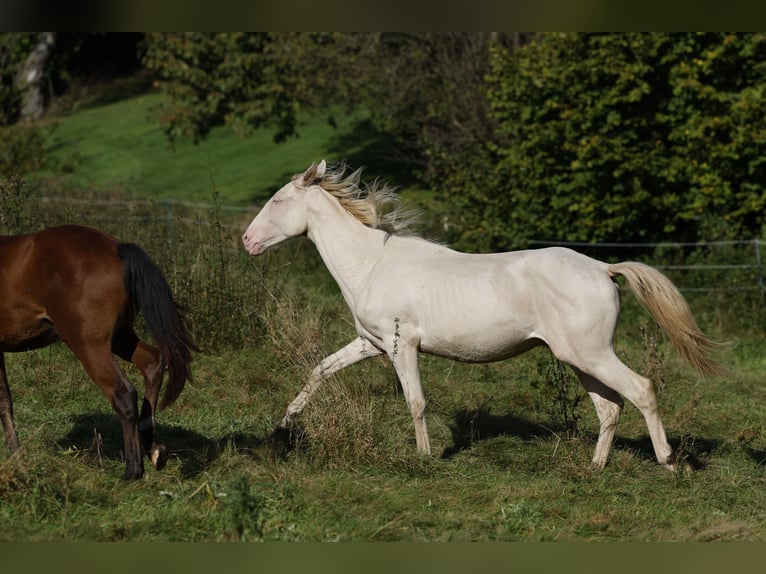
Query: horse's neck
x=347 y=246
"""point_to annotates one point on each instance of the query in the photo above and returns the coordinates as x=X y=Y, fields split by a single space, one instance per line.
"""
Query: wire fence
x=731 y=265
x=160 y=210
x=740 y=260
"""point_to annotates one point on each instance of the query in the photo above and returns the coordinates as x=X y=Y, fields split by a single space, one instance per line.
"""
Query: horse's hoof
x=133 y=474
x=281 y=434
x=159 y=456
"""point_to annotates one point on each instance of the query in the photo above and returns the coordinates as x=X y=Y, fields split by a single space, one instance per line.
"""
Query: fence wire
x=741 y=257
x=727 y=265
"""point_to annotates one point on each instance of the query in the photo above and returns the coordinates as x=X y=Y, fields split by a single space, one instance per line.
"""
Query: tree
x=243 y=80
x=14 y=48
x=423 y=92
x=30 y=80
x=618 y=137
x=426 y=92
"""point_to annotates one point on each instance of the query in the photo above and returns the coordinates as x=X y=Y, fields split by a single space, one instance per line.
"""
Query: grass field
x=506 y=465
x=512 y=440
x=117 y=145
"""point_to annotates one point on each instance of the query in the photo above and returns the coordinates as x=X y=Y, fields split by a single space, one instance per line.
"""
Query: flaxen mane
x=376 y=204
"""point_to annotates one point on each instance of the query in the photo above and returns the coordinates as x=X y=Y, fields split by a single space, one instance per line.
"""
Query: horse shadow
x=758 y=456
x=694 y=451
x=470 y=426
x=98 y=436
x=478 y=425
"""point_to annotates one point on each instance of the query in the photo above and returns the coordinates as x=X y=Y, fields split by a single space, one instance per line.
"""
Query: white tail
x=658 y=295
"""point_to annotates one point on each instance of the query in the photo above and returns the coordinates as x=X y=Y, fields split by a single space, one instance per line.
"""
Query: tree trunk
x=31 y=78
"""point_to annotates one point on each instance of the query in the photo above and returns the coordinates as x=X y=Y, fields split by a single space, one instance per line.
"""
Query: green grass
x=511 y=459
x=117 y=145
x=509 y=470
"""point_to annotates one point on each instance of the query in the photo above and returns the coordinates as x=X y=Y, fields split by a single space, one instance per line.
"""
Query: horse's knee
x=125 y=401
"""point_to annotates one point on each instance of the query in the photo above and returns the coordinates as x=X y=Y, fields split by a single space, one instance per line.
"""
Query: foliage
x=19 y=206
x=618 y=137
x=14 y=48
x=426 y=91
x=244 y=80
x=22 y=149
x=423 y=91
x=563 y=393
x=78 y=62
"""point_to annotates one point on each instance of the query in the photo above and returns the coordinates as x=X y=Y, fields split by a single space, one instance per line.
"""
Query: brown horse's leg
x=6 y=410
x=100 y=364
x=148 y=361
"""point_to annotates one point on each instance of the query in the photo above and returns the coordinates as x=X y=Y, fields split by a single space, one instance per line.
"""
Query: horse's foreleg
x=357 y=350
x=6 y=410
x=405 y=360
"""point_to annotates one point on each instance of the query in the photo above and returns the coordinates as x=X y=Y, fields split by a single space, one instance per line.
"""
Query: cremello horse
x=409 y=295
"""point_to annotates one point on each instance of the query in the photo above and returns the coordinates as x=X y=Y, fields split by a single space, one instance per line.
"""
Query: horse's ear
x=321 y=168
x=309 y=175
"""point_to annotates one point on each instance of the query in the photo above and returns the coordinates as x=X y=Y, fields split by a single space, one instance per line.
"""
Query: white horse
x=409 y=295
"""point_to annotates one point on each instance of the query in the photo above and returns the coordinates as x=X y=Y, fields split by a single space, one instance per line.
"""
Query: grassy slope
x=117 y=145
x=509 y=471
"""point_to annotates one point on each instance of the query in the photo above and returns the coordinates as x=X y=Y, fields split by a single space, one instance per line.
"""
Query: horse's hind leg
x=6 y=410
x=97 y=358
x=640 y=391
x=148 y=361
x=608 y=405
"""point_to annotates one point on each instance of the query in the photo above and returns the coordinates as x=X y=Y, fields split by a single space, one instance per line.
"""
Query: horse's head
x=284 y=215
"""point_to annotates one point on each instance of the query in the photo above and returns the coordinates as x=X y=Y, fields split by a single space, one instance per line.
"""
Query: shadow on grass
x=100 y=434
x=757 y=455
x=694 y=451
x=476 y=425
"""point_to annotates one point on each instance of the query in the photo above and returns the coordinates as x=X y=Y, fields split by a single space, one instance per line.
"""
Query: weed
x=560 y=392
x=244 y=510
x=653 y=357
x=19 y=206
x=22 y=149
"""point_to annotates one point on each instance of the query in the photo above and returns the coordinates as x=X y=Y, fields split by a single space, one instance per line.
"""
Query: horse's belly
x=479 y=346
x=27 y=340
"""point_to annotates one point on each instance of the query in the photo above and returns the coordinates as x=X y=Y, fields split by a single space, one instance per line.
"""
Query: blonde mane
x=376 y=204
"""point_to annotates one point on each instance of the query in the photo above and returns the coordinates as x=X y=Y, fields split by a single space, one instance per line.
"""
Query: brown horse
x=84 y=287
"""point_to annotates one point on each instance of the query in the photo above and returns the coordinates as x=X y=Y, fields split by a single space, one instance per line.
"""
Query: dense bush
x=617 y=137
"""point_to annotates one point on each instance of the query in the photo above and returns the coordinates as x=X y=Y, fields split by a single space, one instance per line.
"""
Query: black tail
x=151 y=295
